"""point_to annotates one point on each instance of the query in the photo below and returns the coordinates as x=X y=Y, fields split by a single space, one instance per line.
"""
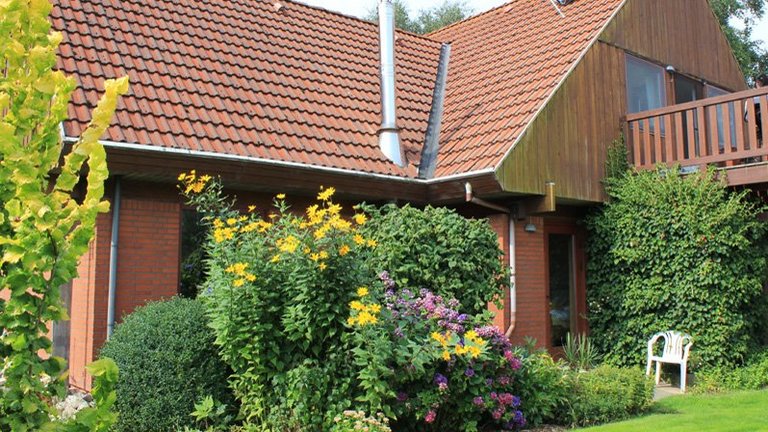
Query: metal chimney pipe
x=389 y=136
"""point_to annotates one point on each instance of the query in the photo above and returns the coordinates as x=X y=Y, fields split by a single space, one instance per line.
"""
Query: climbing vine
x=44 y=229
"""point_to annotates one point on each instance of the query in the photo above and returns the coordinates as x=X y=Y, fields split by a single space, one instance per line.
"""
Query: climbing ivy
x=43 y=229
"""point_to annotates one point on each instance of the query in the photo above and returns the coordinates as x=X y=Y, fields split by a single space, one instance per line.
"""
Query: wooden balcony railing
x=724 y=131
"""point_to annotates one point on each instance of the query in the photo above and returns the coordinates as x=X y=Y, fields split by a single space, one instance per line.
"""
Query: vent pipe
x=389 y=136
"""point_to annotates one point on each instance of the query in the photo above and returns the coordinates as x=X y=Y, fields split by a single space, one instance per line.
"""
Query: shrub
x=277 y=296
x=676 y=252
x=608 y=394
x=168 y=361
x=431 y=367
x=752 y=376
x=437 y=249
x=544 y=386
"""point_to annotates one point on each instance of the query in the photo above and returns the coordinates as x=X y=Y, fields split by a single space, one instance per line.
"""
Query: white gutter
x=222 y=156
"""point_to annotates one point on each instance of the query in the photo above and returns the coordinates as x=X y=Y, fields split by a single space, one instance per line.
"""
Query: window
x=645 y=85
x=687 y=90
x=713 y=91
x=192 y=267
x=562 y=292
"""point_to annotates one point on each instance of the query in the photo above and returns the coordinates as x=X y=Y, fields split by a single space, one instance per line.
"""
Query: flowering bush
x=429 y=366
x=357 y=421
x=277 y=295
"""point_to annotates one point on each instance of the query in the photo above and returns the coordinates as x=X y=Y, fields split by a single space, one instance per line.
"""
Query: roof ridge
x=465 y=20
x=361 y=20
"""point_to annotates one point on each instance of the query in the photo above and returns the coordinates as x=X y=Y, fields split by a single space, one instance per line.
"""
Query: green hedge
x=752 y=376
x=167 y=362
x=438 y=249
x=608 y=394
x=673 y=252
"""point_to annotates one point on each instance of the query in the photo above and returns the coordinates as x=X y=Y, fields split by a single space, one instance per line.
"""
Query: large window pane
x=645 y=85
x=562 y=292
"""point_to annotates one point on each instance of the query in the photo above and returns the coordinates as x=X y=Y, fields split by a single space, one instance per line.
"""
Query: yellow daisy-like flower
x=326 y=194
x=343 y=250
x=323 y=255
x=280 y=196
x=351 y=320
x=182 y=176
x=375 y=308
x=249 y=277
x=362 y=291
x=275 y=258
x=474 y=351
x=322 y=266
x=360 y=219
x=447 y=355
x=217 y=223
x=231 y=221
x=356 y=305
x=372 y=243
x=238 y=282
x=237 y=268
x=359 y=239
x=315 y=257
x=251 y=208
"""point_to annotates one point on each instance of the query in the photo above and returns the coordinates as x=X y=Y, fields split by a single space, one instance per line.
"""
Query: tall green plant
x=43 y=229
x=676 y=252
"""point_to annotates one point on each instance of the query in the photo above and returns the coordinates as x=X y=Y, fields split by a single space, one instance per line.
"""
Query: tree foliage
x=674 y=252
x=752 y=57
x=427 y=20
x=43 y=229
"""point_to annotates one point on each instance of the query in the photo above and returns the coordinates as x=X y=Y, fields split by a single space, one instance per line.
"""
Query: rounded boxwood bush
x=167 y=362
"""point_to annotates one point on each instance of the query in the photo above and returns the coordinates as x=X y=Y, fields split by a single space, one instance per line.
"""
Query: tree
x=44 y=229
x=752 y=58
x=428 y=20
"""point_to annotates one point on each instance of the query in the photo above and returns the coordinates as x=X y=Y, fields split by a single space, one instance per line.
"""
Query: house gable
x=567 y=142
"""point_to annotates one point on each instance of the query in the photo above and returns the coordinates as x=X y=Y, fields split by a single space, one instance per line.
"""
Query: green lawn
x=741 y=411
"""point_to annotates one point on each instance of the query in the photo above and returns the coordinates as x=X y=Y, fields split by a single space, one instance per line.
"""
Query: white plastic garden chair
x=677 y=346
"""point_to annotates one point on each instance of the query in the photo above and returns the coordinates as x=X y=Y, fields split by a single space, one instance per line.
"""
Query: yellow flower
x=326 y=194
x=238 y=282
x=362 y=291
x=359 y=239
x=372 y=243
x=343 y=250
x=351 y=320
x=275 y=258
x=323 y=266
x=375 y=308
x=251 y=208
x=447 y=355
x=474 y=351
x=182 y=176
x=288 y=244
x=237 y=268
x=231 y=221
x=315 y=257
x=356 y=305
x=249 y=277
x=323 y=255
x=205 y=179
x=321 y=232
x=217 y=223
x=360 y=219
x=280 y=196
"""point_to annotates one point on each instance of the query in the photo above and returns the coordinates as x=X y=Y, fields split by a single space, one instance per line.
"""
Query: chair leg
x=683 y=375
x=658 y=372
x=648 y=368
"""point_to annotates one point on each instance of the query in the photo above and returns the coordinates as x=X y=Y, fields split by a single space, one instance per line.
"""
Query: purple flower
x=402 y=396
x=489 y=382
x=515 y=363
x=461 y=318
x=478 y=401
x=469 y=372
x=440 y=379
x=430 y=417
x=399 y=332
x=520 y=419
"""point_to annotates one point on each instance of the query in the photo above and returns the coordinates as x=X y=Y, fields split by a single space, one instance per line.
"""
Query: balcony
x=721 y=131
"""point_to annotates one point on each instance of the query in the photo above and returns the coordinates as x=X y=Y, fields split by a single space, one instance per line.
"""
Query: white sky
x=361 y=7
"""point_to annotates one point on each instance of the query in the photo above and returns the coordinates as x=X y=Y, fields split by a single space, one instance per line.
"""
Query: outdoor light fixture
x=529 y=227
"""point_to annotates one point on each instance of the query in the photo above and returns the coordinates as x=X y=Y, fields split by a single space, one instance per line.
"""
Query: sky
x=360 y=8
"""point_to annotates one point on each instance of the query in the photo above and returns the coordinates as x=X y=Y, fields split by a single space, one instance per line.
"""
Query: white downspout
x=512 y=280
x=113 y=258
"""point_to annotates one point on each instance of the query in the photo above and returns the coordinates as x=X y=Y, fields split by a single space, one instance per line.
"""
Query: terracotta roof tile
x=238 y=77
x=504 y=65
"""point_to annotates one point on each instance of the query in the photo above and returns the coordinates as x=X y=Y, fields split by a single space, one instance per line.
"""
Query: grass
x=739 y=411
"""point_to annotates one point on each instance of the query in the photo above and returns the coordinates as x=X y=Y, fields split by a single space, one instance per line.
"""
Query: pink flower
x=430 y=417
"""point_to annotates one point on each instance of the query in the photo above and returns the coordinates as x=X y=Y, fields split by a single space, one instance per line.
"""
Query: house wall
x=567 y=141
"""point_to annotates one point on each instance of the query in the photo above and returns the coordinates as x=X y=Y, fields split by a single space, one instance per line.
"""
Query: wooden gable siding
x=681 y=33
x=567 y=142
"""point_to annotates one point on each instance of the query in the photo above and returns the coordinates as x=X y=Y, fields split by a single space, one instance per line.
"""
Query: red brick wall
x=500 y=225
x=531 y=284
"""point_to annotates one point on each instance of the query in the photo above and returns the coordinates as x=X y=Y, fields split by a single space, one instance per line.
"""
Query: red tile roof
x=301 y=84
x=240 y=77
x=504 y=66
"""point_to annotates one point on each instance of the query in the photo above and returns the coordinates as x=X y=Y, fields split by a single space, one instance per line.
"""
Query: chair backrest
x=675 y=343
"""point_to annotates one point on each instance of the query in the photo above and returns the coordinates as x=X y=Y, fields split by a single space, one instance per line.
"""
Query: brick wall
x=531 y=284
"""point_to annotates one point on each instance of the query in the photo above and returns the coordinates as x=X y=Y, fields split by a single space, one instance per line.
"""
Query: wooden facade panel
x=567 y=142
x=681 y=33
